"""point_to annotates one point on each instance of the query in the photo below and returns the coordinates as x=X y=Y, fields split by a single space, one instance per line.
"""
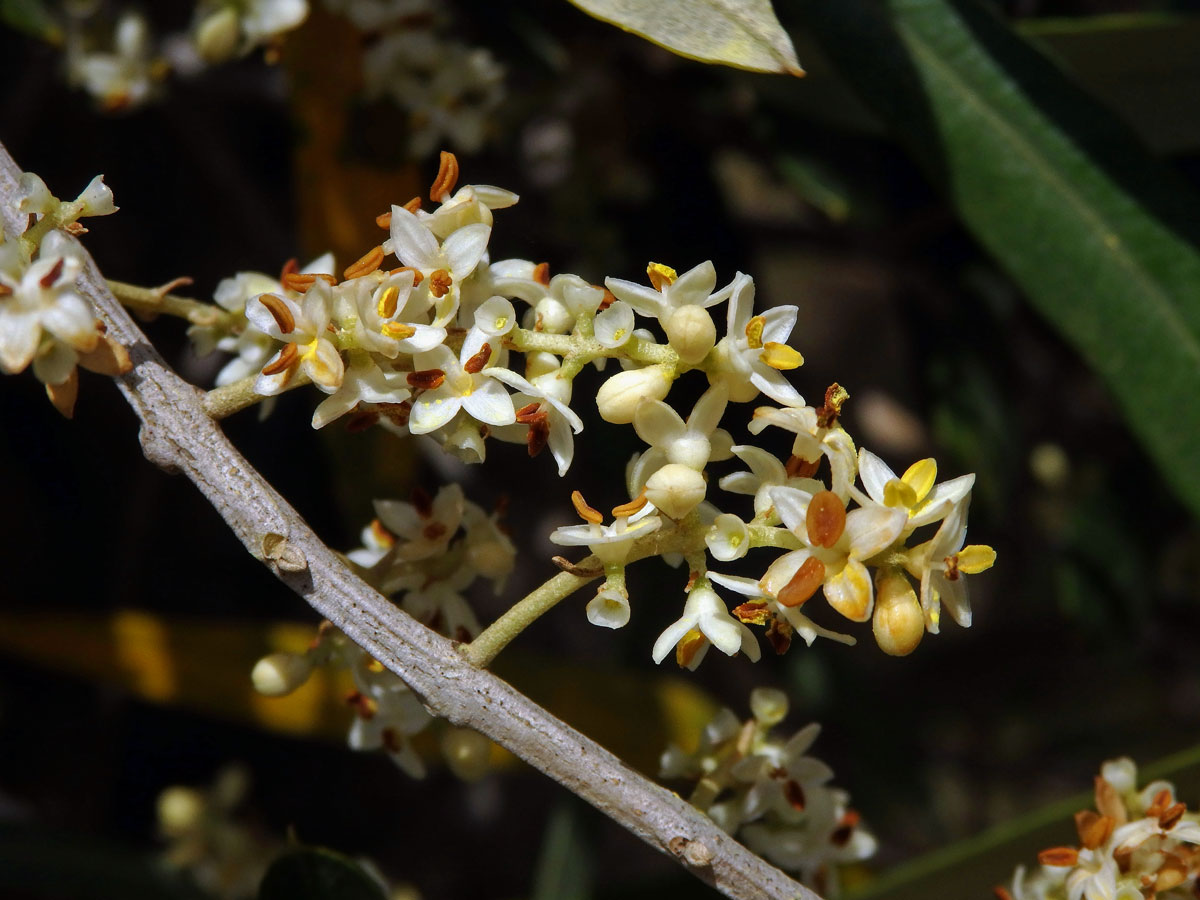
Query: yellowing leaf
x=740 y=33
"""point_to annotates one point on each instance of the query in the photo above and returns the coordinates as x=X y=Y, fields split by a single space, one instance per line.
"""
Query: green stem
x=154 y=301
x=222 y=402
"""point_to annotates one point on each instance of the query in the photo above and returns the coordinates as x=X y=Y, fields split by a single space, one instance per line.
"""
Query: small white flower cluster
x=1135 y=844
x=44 y=319
x=773 y=797
x=429 y=551
x=427 y=347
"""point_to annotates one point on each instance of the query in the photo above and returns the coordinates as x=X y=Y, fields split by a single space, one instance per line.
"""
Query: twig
x=177 y=435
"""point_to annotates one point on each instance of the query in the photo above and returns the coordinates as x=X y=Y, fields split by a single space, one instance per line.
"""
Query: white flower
x=693 y=288
x=466 y=383
x=123 y=78
x=362 y=382
x=914 y=491
x=609 y=608
x=804 y=626
x=611 y=543
x=754 y=353
x=381 y=314
x=728 y=538
x=705 y=620
x=942 y=563
x=302 y=328
x=543 y=417
x=443 y=265
x=687 y=444
x=614 y=326
x=813 y=440
x=765 y=472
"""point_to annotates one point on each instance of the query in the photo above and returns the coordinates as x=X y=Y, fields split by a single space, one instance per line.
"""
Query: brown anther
x=50 y=277
x=1161 y=801
x=1059 y=856
x=753 y=612
x=5 y=290
x=101 y=327
x=426 y=379
x=628 y=509
x=279 y=312
x=539 y=325
x=692 y=576
x=1093 y=828
x=1108 y=801
x=447 y=177
x=364 y=707
x=417 y=276
x=302 y=281
x=809 y=577
x=587 y=513
x=75 y=229
x=391 y=741
x=845 y=830
x=799 y=467
x=1001 y=893
x=779 y=634
x=397 y=413
x=384 y=220
x=291 y=267
x=413 y=205
x=433 y=531
x=835 y=397
x=794 y=794
x=541 y=274
x=527 y=414
x=422 y=502
x=1170 y=817
x=440 y=282
x=826 y=519
x=476 y=363
x=366 y=263
x=284 y=361
x=578 y=571
x=538 y=435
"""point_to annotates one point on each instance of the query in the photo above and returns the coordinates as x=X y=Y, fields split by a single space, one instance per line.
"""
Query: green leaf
x=566 y=863
x=31 y=16
x=318 y=874
x=740 y=33
x=1099 y=236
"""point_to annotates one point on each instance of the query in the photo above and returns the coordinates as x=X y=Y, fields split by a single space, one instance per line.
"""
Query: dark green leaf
x=318 y=874
x=565 y=865
x=32 y=16
x=1098 y=235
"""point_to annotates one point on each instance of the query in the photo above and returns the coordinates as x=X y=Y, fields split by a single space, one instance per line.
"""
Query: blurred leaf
x=31 y=16
x=1055 y=188
x=565 y=865
x=318 y=874
x=740 y=33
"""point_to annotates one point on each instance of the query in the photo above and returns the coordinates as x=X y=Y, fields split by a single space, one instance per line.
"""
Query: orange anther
x=279 y=312
x=587 y=513
x=541 y=273
x=1059 y=856
x=447 y=177
x=628 y=509
x=367 y=263
x=794 y=794
x=753 y=612
x=384 y=220
x=291 y=267
x=527 y=413
x=417 y=276
x=608 y=300
x=689 y=645
x=1170 y=817
x=475 y=364
x=284 y=361
x=439 y=282
x=413 y=205
x=5 y=290
x=826 y=519
x=433 y=531
x=426 y=379
x=1093 y=828
x=809 y=577
x=1001 y=893
x=799 y=467
x=302 y=281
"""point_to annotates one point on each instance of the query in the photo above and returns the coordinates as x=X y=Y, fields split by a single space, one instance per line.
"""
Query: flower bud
x=217 y=36
x=279 y=674
x=898 y=622
x=180 y=810
x=676 y=489
x=33 y=196
x=735 y=376
x=618 y=398
x=768 y=705
x=491 y=559
x=609 y=608
x=466 y=752
x=691 y=332
x=540 y=363
x=553 y=315
x=97 y=198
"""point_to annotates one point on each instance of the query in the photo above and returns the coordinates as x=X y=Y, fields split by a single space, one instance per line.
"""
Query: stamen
x=754 y=332
x=417 y=276
x=897 y=493
x=398 y=330
x=433 y=531
x=835 y=397
x=845 y=830
x=1170 y=817
x=794 y=794
x=291 y=267
x=367 y=263
x=279 y=312
x=608 y=300
x=413 y=205
x=528 y=413
x=1173 y=872
x=660 y=276
x=447 y=177
x=538 y=435
x=359 y=422
x=5 y=290
x=1001 y=893
x=779 y=634
x=384 y=220
x=781 y=356
x=799 y=467
x=804 y=583
x=1093 y=828
x=439 y=282
x=302 y=281
x=687 y=648
x=950 y=567
x=52 y=276
x=753 y=612
x=476 y=363
x=587 y=513
x=382 y=536
x=628 y=509
x=920 y=476
x=1059 y=856
x=426 y=379
x=826 y=519
x=365 y=707
x=975 y=558
x=541 y=274
x=388 y=301
x=283 y=362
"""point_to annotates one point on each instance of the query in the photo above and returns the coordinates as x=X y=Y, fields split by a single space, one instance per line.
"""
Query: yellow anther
x=898 y=493
x=975 y=558
x=660 y=276
x=687 y=648
x=501 y=323
x=920 y=477
x=754 y=332
x=398 y=330
x=388 y=301
x=781 y=356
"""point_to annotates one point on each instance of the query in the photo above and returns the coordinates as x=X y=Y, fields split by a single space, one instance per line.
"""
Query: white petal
x=55 y=365
x=851 y=592
x=490 y=403
x=260 y=317
x=783 y=570
x=495 y=197
x=324 y=367
x=495 y=317
x=433 y=410
x=764 y=466
x=71 y=320
x=614 y=326
x=875 y=474
x=694 y=286
x=778 y=322
x=775 y=385
x=741 y=306
x=746 y=586
x=941 y=500
x=645 y=300
x=608 y=609
x=413 y=243
x=728 y=539
x=673 y=635
x=792 y=506
x=465 y=248
x=657 y=423
x=706 y=414
x=873 y=529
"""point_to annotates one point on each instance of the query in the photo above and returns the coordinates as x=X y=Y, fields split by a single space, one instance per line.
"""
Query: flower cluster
x=776 y=799
x=427 y=346
x=1137 y=843
x=428 y=552
x=44 y=319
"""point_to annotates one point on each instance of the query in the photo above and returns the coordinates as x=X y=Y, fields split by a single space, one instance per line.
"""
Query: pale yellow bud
x=737 y=383
x=279 y=674
x=691 y=332
x=898 y=622
x=768 y=705
x=180 y=810
x=466 y=752
x=217 y=36
x=490 y=559
x=618 y=398
x=675 y=489
x=540 y=363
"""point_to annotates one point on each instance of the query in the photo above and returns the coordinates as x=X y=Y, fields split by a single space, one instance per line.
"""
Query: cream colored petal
x=872 y=529
x=792 y=506
x=875 y=474
x=851 y=593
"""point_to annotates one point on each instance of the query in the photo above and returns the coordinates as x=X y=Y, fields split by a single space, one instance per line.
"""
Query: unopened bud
x=279 y=674
x=553 y=316
x=768 y=705
x=540 y=363
x=217 y=36
x=491 y=559
x=466 y=752
x=676 y=489
x=180 y=810
x=97 y=198
x=618 y=398
x=898 y=622
x=691 y=332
